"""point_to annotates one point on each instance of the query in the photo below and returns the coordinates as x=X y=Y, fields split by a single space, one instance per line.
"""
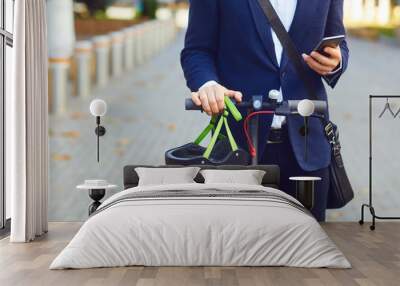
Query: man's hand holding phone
x=211 y=98
x=327 y=56
x=322 y=64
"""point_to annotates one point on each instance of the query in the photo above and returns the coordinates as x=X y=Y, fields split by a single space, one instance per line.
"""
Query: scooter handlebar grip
x=189 y=105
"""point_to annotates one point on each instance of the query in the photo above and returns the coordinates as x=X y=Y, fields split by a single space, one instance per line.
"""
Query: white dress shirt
x=285 y=10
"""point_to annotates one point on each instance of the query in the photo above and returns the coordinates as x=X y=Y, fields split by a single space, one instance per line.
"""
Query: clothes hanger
x=387 y=107
x=397 y=113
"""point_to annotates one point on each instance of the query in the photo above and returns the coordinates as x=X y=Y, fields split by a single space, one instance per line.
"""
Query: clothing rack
x=370 y=202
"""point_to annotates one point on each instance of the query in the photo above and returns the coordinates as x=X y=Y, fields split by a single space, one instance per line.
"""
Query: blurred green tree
x=95 y=6
x=150 y=8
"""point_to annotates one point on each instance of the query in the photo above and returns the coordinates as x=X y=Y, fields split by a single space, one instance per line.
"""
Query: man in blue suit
x=230 y=49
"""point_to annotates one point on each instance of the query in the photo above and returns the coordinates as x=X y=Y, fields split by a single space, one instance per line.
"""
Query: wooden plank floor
x=375 y=257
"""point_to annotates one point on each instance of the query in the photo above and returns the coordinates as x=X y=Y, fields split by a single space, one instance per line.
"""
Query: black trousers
x=282 y=154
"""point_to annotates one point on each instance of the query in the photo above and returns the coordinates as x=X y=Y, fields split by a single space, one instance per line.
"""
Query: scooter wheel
x=372 y=227
x=361 y=222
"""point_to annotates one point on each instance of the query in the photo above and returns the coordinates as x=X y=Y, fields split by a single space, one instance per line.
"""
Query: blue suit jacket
x=230 y=41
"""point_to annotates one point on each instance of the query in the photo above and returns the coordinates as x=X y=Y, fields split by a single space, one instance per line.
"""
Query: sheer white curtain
x=27 y=123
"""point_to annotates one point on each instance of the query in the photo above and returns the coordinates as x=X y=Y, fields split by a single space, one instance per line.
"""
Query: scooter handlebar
x=320 y=105
x=189 y=105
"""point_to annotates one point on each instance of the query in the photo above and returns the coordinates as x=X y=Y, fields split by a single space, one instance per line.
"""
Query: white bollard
x=102 y=52
x=168 y=32
x=117 y=44
x=139 y=44
x=155 y=36
x=150 y=38
x=61 y=42
x=164 y=36
x=135 y=46
x=58 y=68
x=173 y=30
x=83 y=56
x=159 y=31
x=143 y=41
x=129 y=56
x=148 y=47
x=181 y=18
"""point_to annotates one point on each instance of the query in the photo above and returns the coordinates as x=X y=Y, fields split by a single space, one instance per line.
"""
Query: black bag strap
x=288 y=45
x=332 y=135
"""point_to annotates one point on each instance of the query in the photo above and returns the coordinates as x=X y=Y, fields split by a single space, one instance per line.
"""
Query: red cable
x=252 y=149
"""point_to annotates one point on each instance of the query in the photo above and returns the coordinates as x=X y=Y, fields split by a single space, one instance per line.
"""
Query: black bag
x=340 y=190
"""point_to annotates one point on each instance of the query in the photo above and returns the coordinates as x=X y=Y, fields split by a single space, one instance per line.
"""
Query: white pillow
x=166 y=176
x=247 y=177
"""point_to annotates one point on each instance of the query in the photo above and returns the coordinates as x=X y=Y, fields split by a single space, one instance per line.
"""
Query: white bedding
x=200 y=231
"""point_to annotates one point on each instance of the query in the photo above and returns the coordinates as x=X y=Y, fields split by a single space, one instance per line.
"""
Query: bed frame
x=271 y=177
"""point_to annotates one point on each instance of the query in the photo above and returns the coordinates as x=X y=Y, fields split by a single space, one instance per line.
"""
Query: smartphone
x=329 y=42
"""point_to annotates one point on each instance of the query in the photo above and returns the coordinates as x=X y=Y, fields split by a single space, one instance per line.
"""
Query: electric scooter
x=257 y=106
x=223 y=150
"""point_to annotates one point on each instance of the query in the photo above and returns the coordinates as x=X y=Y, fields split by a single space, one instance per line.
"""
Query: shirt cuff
x=336 y=70
x=208 y=83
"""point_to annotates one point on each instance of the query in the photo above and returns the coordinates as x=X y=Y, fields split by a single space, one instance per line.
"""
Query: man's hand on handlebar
x=211 y=98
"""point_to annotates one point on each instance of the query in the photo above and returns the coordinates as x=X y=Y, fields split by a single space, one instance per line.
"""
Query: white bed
x=268 y=228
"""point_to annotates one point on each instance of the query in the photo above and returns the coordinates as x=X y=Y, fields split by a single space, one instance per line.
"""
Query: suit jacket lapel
x=305 y=11
x=264 y=30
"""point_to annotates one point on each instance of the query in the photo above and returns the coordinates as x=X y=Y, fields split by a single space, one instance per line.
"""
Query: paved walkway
x=146 y=117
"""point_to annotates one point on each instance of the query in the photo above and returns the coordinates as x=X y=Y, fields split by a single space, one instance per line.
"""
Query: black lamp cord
x=306 y=138
x=98 y=138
